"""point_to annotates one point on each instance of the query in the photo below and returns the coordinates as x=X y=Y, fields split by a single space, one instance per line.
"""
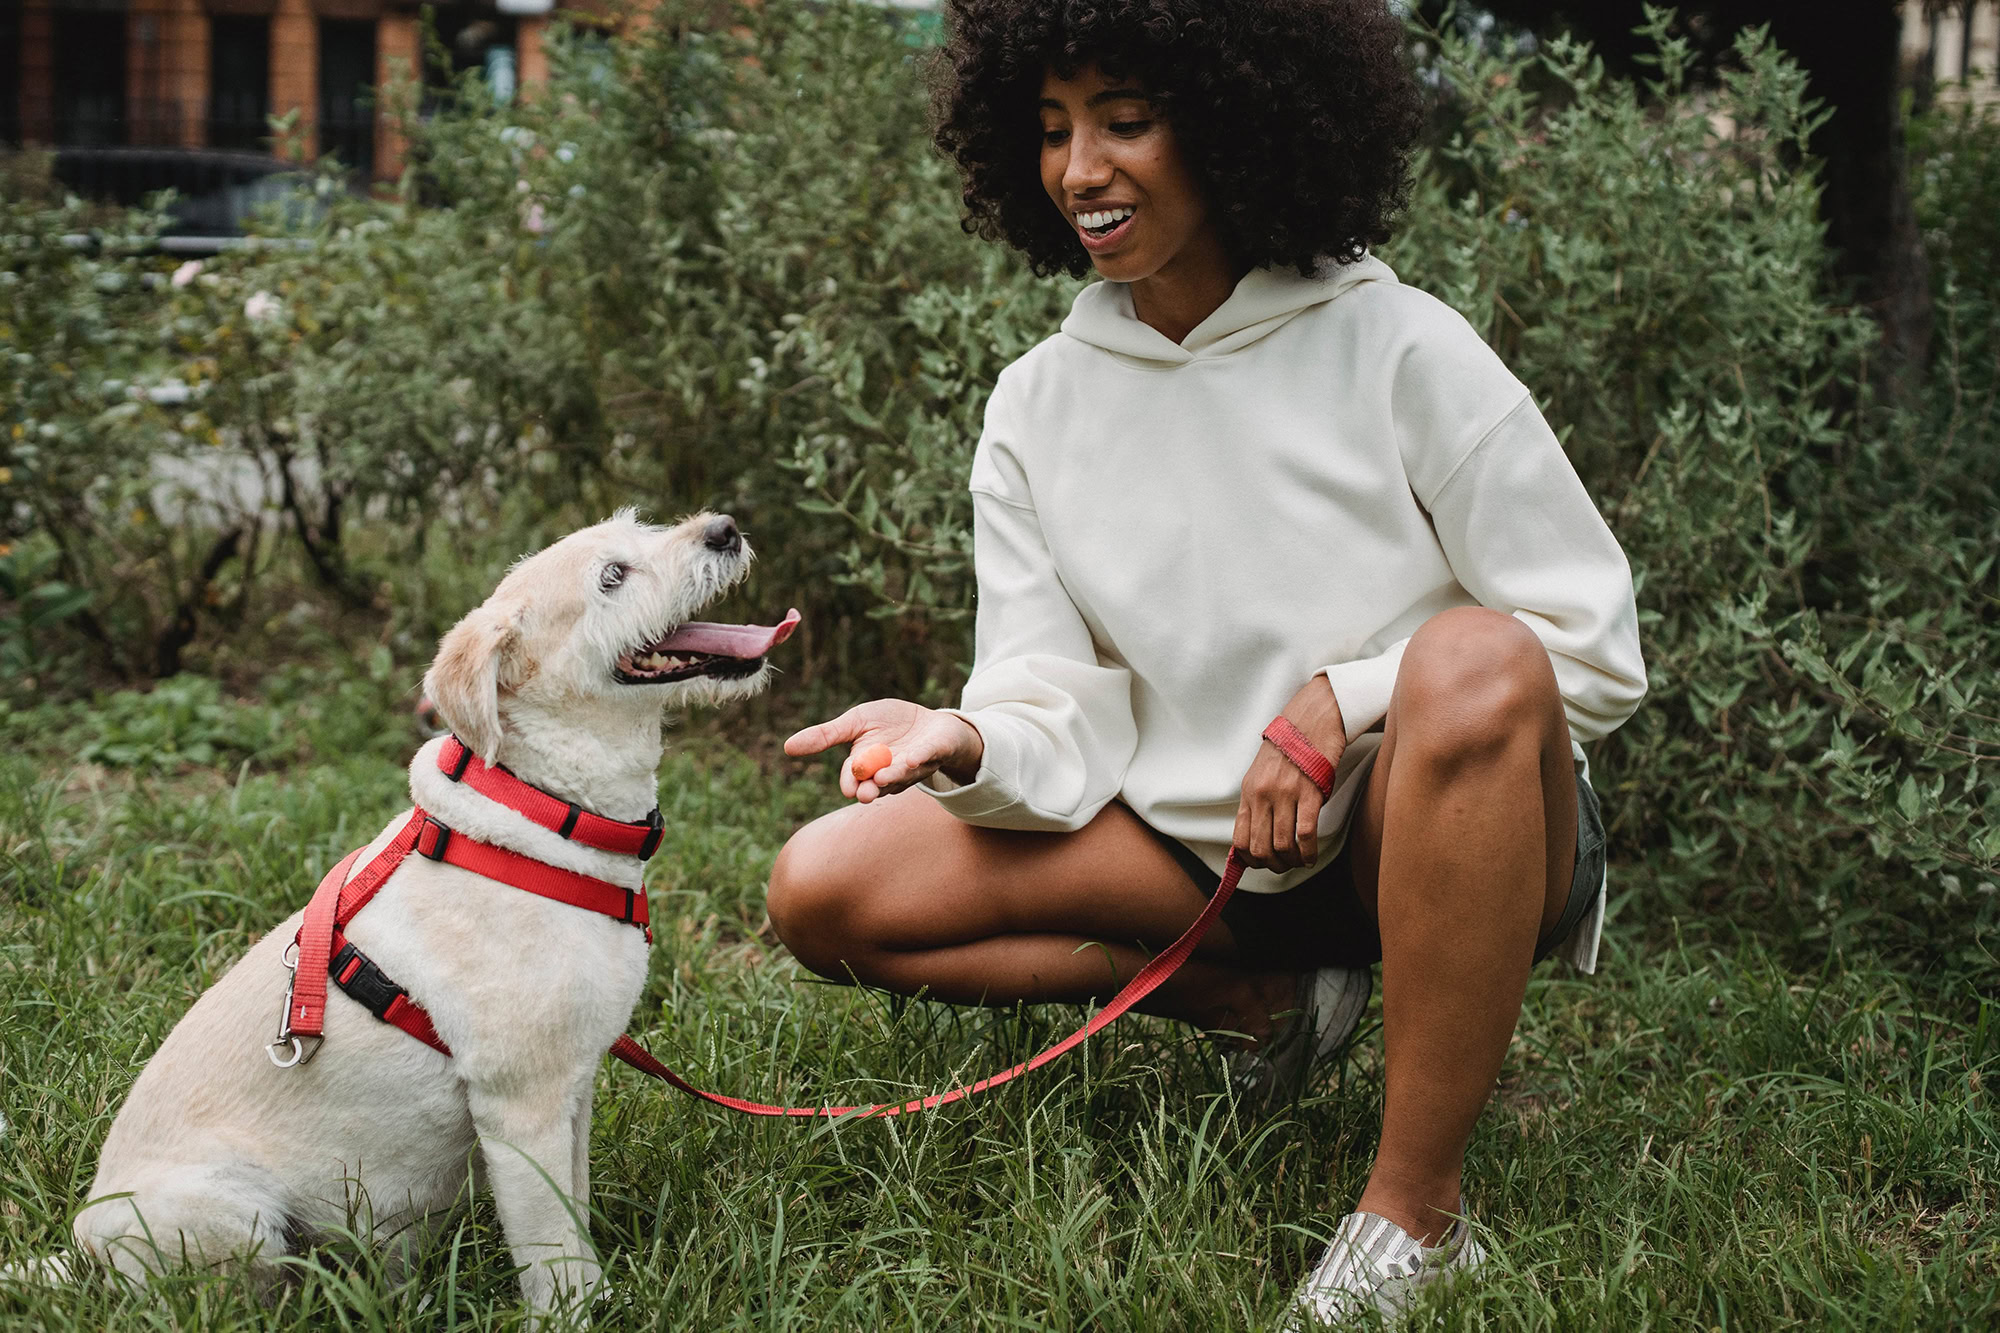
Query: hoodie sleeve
x=1056 y=722
x=1516 y=524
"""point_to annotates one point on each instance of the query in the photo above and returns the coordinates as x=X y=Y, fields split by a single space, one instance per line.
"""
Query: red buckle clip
x=457 y=773
x=656 y=829
x=432 y=839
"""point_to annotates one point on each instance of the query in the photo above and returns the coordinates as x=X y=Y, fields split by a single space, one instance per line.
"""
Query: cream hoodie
x=1171 y=539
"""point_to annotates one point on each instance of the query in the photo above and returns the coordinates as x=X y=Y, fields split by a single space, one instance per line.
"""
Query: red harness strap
x=324 y=953
x=566 y=818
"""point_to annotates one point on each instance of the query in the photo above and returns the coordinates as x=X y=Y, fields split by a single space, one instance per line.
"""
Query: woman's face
x=1113 y=168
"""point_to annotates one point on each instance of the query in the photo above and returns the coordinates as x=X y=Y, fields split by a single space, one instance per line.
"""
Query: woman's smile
x=1101 y=228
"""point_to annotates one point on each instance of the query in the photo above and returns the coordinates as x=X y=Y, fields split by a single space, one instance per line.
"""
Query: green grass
x=1701 y=1136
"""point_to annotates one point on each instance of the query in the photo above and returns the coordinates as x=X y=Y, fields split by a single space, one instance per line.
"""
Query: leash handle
x=1147 y=980
x=1305 y=756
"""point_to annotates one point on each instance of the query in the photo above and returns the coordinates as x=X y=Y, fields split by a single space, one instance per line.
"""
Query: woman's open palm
x=920 y=741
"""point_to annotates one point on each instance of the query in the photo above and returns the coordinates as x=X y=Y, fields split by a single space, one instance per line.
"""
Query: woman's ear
x=464 y=679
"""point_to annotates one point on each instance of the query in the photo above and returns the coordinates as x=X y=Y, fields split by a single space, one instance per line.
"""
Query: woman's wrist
x=1315 y=711
x=962 y=764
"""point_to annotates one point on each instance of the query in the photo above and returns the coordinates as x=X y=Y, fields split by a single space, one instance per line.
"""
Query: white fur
x=220 y=1157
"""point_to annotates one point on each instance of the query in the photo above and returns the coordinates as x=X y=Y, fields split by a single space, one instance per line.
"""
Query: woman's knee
x=811 y=898
x=1473 y=684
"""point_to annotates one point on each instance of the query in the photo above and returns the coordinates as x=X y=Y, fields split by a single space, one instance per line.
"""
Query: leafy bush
x=34 y=601
x=1815 y=578
x=720 y=265
x=179 y=721
x=778 y=309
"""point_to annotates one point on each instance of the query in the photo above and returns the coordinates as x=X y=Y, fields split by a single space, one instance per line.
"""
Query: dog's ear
x=464 y=679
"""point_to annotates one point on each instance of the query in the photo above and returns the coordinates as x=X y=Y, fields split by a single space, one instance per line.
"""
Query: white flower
x=261 y=306
x=535 y=220
x=186 y=273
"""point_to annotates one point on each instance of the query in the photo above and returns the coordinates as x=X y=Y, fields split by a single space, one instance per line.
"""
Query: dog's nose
x=721 y=535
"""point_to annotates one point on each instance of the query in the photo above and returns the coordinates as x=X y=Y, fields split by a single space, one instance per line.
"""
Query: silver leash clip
x=298 y=1053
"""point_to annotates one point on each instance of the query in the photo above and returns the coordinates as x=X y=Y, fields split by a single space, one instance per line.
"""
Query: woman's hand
x=1277 y=823
x=921 y=741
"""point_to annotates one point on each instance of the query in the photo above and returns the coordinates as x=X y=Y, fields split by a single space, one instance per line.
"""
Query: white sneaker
x=1373 y=1264
x=1330 y=1004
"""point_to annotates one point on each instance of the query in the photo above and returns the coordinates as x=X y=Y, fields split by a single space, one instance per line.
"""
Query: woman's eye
x=611 y=576
x=1053 y=137
x=1130 y=127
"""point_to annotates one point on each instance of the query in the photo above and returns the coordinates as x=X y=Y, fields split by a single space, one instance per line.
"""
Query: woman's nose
x=1087 y=167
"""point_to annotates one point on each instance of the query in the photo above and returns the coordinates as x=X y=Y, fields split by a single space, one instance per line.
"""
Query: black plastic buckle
x=569 y=821
x=656 y=829
x=437 y=835
x=368 y=985
x=630 y=899
x=457 y=773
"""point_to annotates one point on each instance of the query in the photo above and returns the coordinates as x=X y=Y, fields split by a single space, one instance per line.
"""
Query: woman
x=1252 y=475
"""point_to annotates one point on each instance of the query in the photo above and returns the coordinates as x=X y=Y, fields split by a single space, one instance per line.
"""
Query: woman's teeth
x=1102 y=220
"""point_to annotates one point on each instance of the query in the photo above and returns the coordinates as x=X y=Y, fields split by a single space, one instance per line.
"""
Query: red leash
x=1145 y=982
x=324 y=953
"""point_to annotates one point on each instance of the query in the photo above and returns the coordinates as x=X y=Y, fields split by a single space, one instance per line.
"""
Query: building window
x=89 y=79
x=346 y=93
x=239 y=82
x=477 y=42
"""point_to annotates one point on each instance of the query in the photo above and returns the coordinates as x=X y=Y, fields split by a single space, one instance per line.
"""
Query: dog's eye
x=612 y=575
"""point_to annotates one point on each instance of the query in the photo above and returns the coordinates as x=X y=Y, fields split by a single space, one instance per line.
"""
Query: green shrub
x=1815 y=579
x=720 y=265
x=178 y=722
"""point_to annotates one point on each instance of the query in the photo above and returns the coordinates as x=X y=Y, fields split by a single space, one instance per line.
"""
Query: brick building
x=208 y=74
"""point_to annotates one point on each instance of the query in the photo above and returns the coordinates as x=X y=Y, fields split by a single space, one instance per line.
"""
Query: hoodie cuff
x=988 y=793
x=1363 y=688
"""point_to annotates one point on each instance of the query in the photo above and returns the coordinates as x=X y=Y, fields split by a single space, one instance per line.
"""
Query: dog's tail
x=57 y=1270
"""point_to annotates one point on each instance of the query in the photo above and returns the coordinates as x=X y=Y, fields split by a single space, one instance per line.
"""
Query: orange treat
x=867 y=763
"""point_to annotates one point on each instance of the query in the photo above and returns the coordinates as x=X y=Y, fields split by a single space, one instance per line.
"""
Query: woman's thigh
x=902 y=874
x=1472 y=684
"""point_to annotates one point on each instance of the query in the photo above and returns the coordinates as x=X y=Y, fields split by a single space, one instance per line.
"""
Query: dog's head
x=603 y=620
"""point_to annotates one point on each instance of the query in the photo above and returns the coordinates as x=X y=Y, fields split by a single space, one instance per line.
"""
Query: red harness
x=322 y=953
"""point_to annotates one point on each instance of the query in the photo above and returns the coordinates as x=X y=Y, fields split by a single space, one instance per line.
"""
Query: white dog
x=220 y=1156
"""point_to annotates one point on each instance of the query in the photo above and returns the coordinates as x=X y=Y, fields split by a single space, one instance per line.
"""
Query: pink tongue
x=728 y=640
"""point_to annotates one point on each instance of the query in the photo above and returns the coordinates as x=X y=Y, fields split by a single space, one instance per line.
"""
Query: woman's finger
x=891 y=779
x=1260 y=830
x=825 y=735
x=1284 y=830
x=1307 y=827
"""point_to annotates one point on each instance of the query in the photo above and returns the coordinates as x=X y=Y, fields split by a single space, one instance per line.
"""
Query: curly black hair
x=1297 y=118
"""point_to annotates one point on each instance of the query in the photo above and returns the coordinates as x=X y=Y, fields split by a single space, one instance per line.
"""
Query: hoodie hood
x=1265 y=299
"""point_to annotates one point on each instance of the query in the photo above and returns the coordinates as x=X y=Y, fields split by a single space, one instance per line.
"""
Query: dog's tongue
x=728 y=640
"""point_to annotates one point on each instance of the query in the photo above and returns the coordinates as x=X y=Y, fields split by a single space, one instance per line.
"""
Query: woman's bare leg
x=1463 y=847
x=902 y=895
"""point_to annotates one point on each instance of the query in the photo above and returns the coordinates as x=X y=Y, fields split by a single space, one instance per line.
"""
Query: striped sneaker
x=1373 y=1264
x=1330 y=1004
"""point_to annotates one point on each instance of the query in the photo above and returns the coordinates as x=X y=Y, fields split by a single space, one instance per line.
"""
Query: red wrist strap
x=1292 y=743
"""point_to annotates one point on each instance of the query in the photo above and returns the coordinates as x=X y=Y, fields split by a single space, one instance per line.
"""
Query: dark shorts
x=1320 y=922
